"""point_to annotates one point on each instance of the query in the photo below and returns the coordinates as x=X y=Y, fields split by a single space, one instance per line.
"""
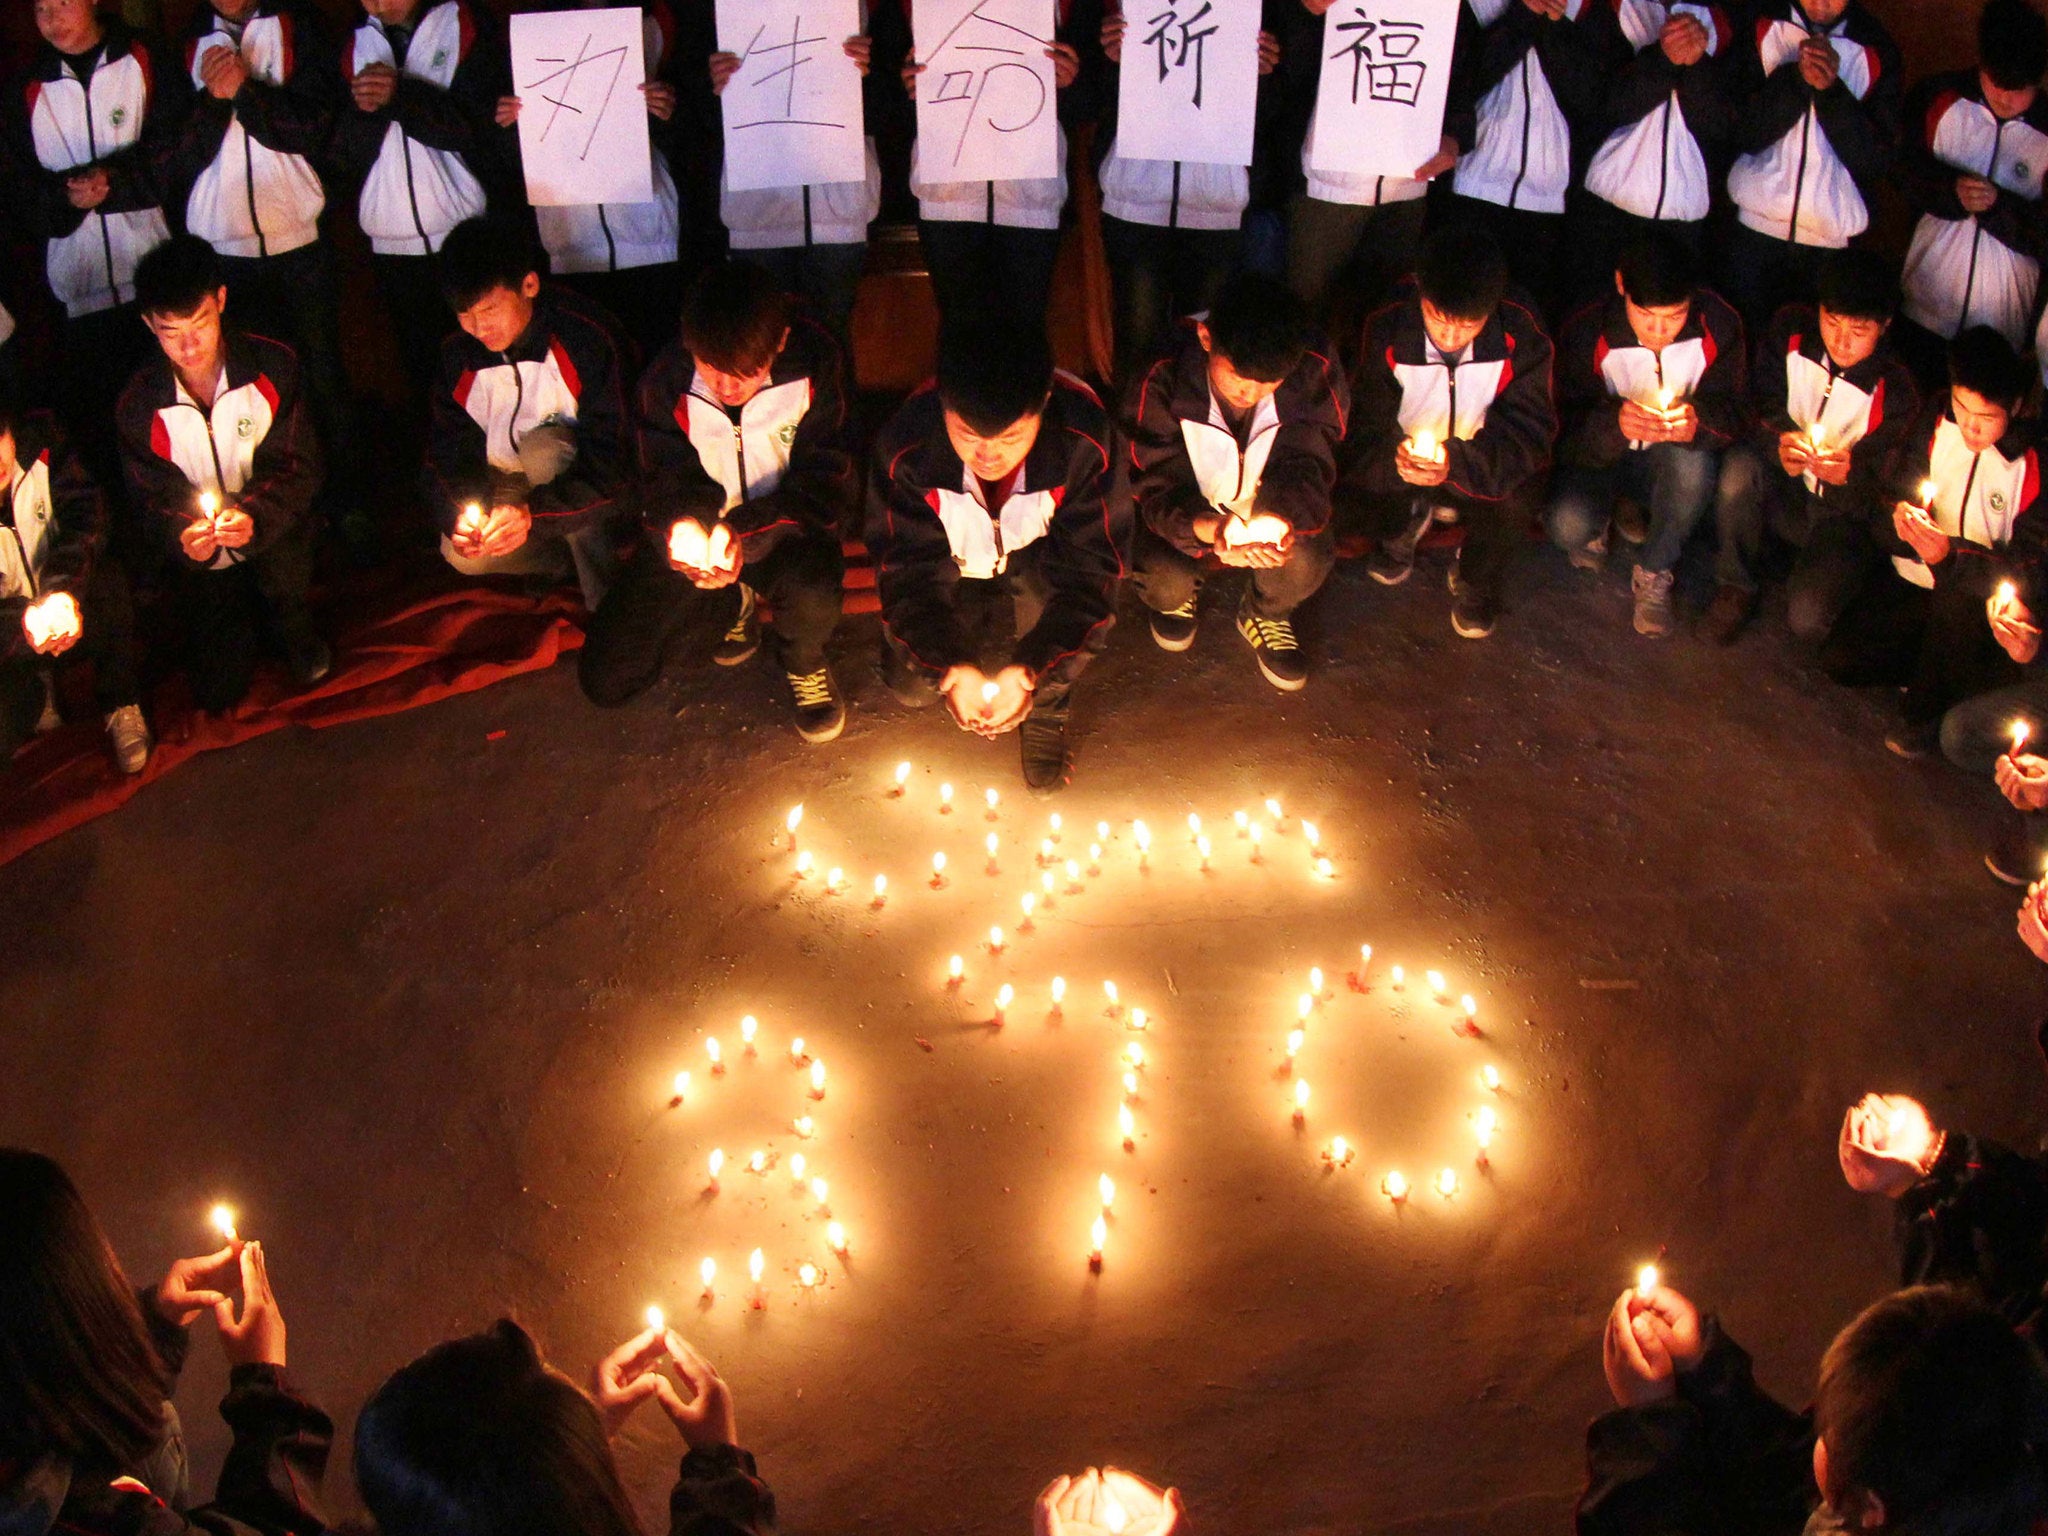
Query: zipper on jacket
x=807 y=216
x=518 y=400
x=28 y=573
x=92 y=148
x=1963 y=516
x=1664 y=154
x=611 y=246
x=1977 y=229
x=1528 y=110
x=739 y=453
x=990 y=188
x=249 y=166
x=1827 y=362
x=1173 y=201
x=412 y=194
x=1799 y=178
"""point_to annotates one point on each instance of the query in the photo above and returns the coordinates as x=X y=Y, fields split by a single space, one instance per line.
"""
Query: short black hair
x=991 y=375
x=1657 y=270
x=1463 y=272
x=481 y=254
x=1930 y=1401
x=2012 y=44
x=1259 y=327
x=735 y=316
x=1858 y=285
x=1982 y=361
x=176 y=277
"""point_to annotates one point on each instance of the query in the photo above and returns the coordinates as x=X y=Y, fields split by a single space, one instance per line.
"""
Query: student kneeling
x=218 y=449
x=1671 y=353
x=741 y=423
x=1234 y=437
x=998 y=482
x=528 y=455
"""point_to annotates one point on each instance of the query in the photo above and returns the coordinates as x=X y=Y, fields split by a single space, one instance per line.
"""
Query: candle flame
x=1400 y=976
x=796 y=1166
x=1315 y=980
x=1138 y=1019
x=834 y=878
x=1325 y=868
x=657 y=1320
x=796 y=1051
x=1470 y=1004
x=1045 y=848
x=1131 y=1084
x=1489 y=1077
x=956 y=967
x=881 y=887
x=1202 y=847
x=1395 y=1185
x=682 y=1085
x=818 y=1078
x=756 y=1262
x=835 y=1237
x=1295 y=1038
x=991 y=797
x=995 y=938
x=1098 y=1237
x=1301 y=1096
x=1029 y=902
x=1243 y=821
x=749 y=1027
x=2020 y=732
x=208 y=503
x=1134 y=1054
x=945 y=794
x=1073 y=871
x=1423 y=446
x=991 y=843
x=1308 y=831
x=939 y=863
x=1045 y=882
x=803 y=1125
x=1927 y=490
x=1059 y=990
x=1305 y=1005
x=807 y=1275
x=803 y=862
x=819 y=1190
x=708 y=1272
x=1106 y=1187
x=1647 y=1280
x=1484 y=1126
x=1436 y=981
x=1113 y=1517
x=1005 y=995
x=1447 y=1183
x=716 y=1163
x=1055 y=823
x=1142 y=835
x=223 y=1219
x=2006 y=593
x=989 y=692
x=1126 y=1122
x=795 y=818
x=1109 y=991
x=758 y=1163
x=1340 y=1150
x=902 y=774
x=1273 y=809
x=711 y=1049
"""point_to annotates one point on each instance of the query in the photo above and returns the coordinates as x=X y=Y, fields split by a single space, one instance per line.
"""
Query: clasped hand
x=1650 y=1342
x=974 y=708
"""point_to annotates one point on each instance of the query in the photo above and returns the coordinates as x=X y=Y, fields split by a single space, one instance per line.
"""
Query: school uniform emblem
x=1997 y=500
x=245 y=428
x=118 y=116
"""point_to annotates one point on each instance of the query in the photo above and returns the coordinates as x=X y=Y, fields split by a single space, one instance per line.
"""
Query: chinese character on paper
x=1189 y=41
x=1382 y=58
x=794 y=54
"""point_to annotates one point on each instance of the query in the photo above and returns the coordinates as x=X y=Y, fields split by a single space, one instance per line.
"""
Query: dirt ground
x=413 y=998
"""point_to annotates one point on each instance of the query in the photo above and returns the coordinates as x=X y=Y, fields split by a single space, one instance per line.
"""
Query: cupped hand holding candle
x=1106 y=1503
x=2021 y=776
x=710 y=557
x=987 y=706
x=1650 y=1341
x=1260 y=530
x=1887 y=1144
x=1422 y=459
x=52 y=624
x=2012 y=624
x=1914 y=524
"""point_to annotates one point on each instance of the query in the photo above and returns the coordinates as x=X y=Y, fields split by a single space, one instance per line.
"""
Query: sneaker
x=1174 y=629
x=1727 y=614
x=1042 y=744
x=2016 y=857
x=744 y=638
x=128 y=735
x=1913 y=739
x=1655 y=615
x=1278 y=652
x=308 y=657
x=910 y=687
x=820 y=712
x=1593 y=557
x=1472 y=611
x=1631 y=521
x=1394 y=561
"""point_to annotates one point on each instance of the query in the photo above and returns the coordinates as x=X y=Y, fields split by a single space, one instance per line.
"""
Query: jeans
x=1760 y=275
x=1166 y=577
x=1934 y=643
x=1494 y=530
x=587 y=554
x=1360 y=250
x=224 y=613
x=1157 y=275
x=1023 y=587
x=1978 y=731
x=1674 y=481
x=1835 y=558
x=294 y=299
x=991 y=270
x=654 y=612
x=826 y=276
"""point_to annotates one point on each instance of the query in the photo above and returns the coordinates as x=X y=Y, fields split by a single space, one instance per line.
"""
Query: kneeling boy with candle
x=1234 y=437
x=1453 y=417
x=1965 y=518
x=62 y=600
x=1652 y=387
x=528 y=453
x=220 y=454
x=742 y=426
x=998 y=482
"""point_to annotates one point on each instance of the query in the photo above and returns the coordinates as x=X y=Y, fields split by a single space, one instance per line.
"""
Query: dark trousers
x=1157 y=275
x=106 y=645
x=1530 y=242
x=826 y=276
x=990 y=269
x=226 y=612
x=653 y=612
x=1023 y=589
x=1601 y=234
x=293 y=298
x=1495 y=531
x=646 y=301
x=1760 y=275
x=1834 y=557
x=96 y=356
x=1343 y=259
x=420 y=318
x=1166 y=576
x=1935 y=643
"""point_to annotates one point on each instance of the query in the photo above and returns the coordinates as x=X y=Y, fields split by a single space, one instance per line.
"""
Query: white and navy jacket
x=252 y=445
x=1533 y=79
x=426 y=161
x=1187 y=462
x=780 y=470
x=1492 y=407
x=1812 y=159
x=120 y=119
x=1869 y=409
x=1661 y=158
x=564 y=370
x=53 y=526
x=1600 y=363
x=613 y=237
x=930 y=527
x=1967 y=269
x=246 y=171
x=1986 y=502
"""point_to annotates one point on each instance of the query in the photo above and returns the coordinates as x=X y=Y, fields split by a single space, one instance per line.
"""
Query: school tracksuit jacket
x=1986 y=501
x=1533 y=79
x=247 y=171
x=424 y=163
x=1812 y=159
x=1600 y=363
x=1186 y=461
x=563 y=371
x=1671 y=122
x=1492 y=411
x=118 y=117
x=930 y=528
x=254 y=447
x=1868 y=409
x=1966 y=269
x=781 y=471
x=53 y=527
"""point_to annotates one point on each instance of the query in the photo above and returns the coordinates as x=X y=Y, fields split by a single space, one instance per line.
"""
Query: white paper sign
x=793 y=109
x=985 y=107
x=1188 y=86
x=582 y=119
x=1380 y=98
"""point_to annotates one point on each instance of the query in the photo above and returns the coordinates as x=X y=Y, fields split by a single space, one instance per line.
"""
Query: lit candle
x=1315 y=980
x=469 y=525
x=1055 y=823
x=1106 y=1187
x=1074 y=874
x=223 y=1219
x=1202 y=848
x=803 y=863
x=1242 y=822
x=749 y=1027
x=945 y=799
x=881 y=889
x=1047 y=884
x=797 y=1054
x=835 y=1238
x=1311 y=835
x=991 y=844
x=657 y=1320
x=1126 y=1125
x=1301 y=1101
x=1295 y=1039
x=1400 y=978
x=991 y=797
x=1109 y=991
x=1029 y=902
x=1483 y=1126
x=995 y=941
x=716 y=1163
x=1137 y=1019
x=989 y=692
x=1338 y=1153
x=1471 y=1006
x=819 y=1190
x=1489 y=1078
x=955 y=969
x=1817 y=437
x=1304 y=1006
x=1423 y=446
x=1114 y=1517
x=1447 y=1183
x=796 y=1166
x=1273 y=810
x=717 y=1057
x=817 y=1079
x=1131 y=1085
x=1059 y=992
x=1142 y=836
x=793 y=820
x=1102 y=831
x=1927 y=490
x=1257 y=835
x=1325 y=869
x=938 y=870
x=1436 y=983
x=804 y=1126
x=682 y=1086
x=1647 y=1280
x=758 y=1163
x=1194 y=825
x=1395 y=1186
x=1045 y=850
x=2006 y=593
x=707 y=1272
x=1364 y=958
x=834 y=878
x=1665 y=395
x=1005 y=995
x=1098 y=1238
x=2020 y=732
x=1134 y=1056
x=807 y=1275
x=1095 y=858
x=756 y=1263
x=902 y=776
